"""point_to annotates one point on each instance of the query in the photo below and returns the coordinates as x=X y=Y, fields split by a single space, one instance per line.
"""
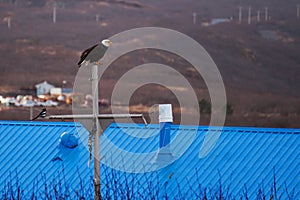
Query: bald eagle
x=94 y=53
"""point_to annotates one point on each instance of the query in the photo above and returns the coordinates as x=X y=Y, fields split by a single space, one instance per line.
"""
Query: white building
x=43 y=88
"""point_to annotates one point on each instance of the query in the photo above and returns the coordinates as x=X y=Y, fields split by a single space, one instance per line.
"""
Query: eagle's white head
x=106 y=42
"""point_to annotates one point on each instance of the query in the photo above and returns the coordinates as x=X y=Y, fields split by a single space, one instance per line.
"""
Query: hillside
x=259 y=63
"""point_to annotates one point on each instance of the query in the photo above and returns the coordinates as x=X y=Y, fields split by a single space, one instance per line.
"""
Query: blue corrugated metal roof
x=31 y=152
x=243 y=162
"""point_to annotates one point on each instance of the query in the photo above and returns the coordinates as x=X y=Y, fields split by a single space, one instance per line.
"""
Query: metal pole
x=258 y=16
x=266 y=13
x=54 y=14
x=194 y=18
x=240 y=14
x=100 y=116
x=249 y=15
x=298 y=11
x=96 y=133
x=9 y=22
x=31 y=112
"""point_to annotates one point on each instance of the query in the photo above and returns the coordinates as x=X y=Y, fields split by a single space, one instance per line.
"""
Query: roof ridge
x=212 y=128
x=40 y=123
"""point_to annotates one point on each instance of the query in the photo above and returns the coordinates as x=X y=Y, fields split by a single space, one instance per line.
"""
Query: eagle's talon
x=98 y=63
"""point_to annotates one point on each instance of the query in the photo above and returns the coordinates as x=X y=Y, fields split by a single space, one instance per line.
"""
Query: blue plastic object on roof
x=69 y=140
x=164 y=137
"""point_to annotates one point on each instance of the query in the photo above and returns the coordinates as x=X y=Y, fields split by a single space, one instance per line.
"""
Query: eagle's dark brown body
x=93 y=54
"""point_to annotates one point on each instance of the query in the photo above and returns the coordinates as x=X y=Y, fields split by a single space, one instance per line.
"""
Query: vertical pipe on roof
x=165 y=122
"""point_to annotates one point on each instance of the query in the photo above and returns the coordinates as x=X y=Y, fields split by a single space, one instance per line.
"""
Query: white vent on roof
x=165 y=113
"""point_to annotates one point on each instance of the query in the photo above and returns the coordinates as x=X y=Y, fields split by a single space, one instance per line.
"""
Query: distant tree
x=204 y=106
x=229 y=109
